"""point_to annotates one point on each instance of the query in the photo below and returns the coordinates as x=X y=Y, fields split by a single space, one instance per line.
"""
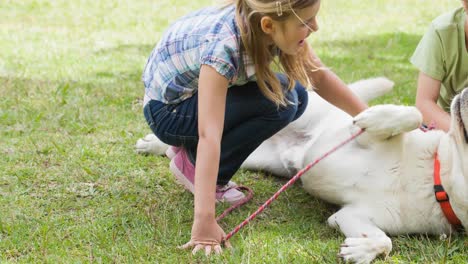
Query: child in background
x=442 y=60
x=210 y=93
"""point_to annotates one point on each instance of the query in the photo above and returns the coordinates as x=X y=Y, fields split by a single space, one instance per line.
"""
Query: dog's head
x=459 y=127
x=459 y=134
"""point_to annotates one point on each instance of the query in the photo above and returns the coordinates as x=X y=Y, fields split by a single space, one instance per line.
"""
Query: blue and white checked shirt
x=209 y=36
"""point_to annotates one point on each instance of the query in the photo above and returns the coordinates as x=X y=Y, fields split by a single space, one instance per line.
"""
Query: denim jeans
x=250 y=119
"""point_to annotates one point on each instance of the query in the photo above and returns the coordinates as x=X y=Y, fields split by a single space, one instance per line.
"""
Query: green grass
x=72 y=189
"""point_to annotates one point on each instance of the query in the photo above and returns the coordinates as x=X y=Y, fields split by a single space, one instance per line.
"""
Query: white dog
x=383 y=180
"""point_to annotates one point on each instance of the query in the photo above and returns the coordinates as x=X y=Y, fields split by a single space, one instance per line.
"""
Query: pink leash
x=282 y=189
x=238 y=204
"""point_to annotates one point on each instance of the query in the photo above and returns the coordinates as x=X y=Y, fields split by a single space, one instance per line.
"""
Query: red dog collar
x=443 y=198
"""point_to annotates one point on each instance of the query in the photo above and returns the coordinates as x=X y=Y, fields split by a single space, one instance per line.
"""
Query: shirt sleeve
x=428 y=56
x=221 y=55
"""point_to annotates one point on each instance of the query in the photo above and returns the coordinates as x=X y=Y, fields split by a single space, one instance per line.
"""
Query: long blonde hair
x=248 y=16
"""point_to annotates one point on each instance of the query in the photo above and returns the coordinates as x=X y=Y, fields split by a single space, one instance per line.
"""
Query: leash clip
x=440 y=194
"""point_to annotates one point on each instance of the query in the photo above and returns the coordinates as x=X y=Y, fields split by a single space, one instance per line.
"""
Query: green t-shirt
x=442 y=55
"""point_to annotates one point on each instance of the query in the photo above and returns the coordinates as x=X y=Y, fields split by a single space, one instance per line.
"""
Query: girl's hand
x=207 y=235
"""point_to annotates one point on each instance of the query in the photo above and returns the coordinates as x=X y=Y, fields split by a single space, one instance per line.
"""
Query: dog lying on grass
x=383 y=180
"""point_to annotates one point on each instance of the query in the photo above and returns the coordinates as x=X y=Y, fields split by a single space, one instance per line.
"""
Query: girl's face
x=290 y=35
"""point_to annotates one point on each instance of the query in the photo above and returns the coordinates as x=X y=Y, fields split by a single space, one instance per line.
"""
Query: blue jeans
x=250 y=119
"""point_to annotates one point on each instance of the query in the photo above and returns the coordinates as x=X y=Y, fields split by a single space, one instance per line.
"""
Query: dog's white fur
x=383 y=180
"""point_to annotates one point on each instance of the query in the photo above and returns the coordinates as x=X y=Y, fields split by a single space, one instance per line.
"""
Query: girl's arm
x=334 y=90
x=426 y=101
x=212 y=91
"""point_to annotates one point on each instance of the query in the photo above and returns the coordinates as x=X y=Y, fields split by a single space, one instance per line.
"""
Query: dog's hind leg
x=369 y=89
x=267 y=158
x=281 y=155
x=150 y=144
x=364 y=241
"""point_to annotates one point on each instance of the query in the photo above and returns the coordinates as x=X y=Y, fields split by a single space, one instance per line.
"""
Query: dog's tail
x=369 y=89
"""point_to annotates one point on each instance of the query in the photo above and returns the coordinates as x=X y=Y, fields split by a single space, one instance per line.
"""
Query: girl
x=211 y=93
x=442 y=60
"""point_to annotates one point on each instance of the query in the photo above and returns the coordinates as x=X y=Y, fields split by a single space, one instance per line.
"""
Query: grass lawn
x=72 y=189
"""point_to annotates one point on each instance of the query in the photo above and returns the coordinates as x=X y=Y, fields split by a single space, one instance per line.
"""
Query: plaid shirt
x=206 y=37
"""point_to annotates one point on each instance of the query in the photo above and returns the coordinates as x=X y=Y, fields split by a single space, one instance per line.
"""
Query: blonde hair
x=248 y=16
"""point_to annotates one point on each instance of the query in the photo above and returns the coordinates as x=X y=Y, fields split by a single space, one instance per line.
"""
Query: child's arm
x=426 y=101
x=212 y=91
x=334 y=90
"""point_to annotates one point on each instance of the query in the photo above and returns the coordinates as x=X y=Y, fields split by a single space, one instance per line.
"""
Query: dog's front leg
x=384 y=121
x=364 y=241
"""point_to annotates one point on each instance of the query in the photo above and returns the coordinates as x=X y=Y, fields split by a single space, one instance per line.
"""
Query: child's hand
x=207 y=235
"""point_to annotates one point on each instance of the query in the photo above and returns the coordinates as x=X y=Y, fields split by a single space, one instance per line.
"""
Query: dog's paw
x=384 y=121
x=364 y=249
x=150 y=144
